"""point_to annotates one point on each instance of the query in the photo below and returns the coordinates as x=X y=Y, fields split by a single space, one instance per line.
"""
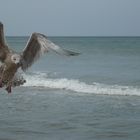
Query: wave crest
x=41 y=80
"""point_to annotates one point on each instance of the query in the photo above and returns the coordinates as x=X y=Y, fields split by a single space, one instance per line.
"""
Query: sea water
x=95 y=95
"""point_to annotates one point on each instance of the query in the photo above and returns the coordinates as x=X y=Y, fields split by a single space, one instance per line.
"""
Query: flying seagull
x=37 y=45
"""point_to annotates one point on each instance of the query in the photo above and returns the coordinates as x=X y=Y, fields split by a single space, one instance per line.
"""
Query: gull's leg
x=1 y=77
x=1 y=70
x=9 y=87
x=1 y=85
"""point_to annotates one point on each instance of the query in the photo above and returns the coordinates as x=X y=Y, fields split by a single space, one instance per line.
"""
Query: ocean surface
x=93 y=96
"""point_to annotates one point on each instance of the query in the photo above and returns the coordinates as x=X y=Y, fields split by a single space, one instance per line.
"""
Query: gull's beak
x=18 y=63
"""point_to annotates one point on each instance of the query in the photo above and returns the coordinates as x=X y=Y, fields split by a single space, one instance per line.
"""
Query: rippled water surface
x=95 y=95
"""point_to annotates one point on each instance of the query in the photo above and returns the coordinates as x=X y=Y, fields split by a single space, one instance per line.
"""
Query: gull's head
x=16 y=58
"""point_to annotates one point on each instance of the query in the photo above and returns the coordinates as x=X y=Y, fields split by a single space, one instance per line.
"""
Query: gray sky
x=71 y=17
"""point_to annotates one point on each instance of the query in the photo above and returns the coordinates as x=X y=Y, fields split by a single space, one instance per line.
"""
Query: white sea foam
x=41 y=80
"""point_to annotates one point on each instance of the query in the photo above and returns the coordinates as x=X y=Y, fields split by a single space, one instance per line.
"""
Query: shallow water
x=36 y=113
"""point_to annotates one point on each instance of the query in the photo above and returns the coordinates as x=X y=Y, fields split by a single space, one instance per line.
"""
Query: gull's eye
x=14 y=59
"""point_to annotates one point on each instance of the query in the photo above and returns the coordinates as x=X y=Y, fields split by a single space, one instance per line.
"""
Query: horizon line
x=71 y=36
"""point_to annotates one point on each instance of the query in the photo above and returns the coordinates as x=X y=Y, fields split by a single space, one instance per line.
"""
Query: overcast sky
x=71 y=17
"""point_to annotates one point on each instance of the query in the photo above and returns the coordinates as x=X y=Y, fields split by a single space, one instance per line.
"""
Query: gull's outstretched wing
x=3 y=46
x=37 y=45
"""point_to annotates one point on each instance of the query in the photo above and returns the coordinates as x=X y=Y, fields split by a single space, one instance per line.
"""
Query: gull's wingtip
x=1 y=24
x=70 y=53
x=74 y=53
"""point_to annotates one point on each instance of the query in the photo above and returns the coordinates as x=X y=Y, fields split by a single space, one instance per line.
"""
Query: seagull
x=11 y=61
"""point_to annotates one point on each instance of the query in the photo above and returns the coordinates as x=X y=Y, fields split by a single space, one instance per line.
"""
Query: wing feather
x=3 y=46
x=37 y=45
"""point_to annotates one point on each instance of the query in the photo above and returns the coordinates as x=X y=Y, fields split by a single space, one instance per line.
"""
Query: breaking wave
x=42 y=80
